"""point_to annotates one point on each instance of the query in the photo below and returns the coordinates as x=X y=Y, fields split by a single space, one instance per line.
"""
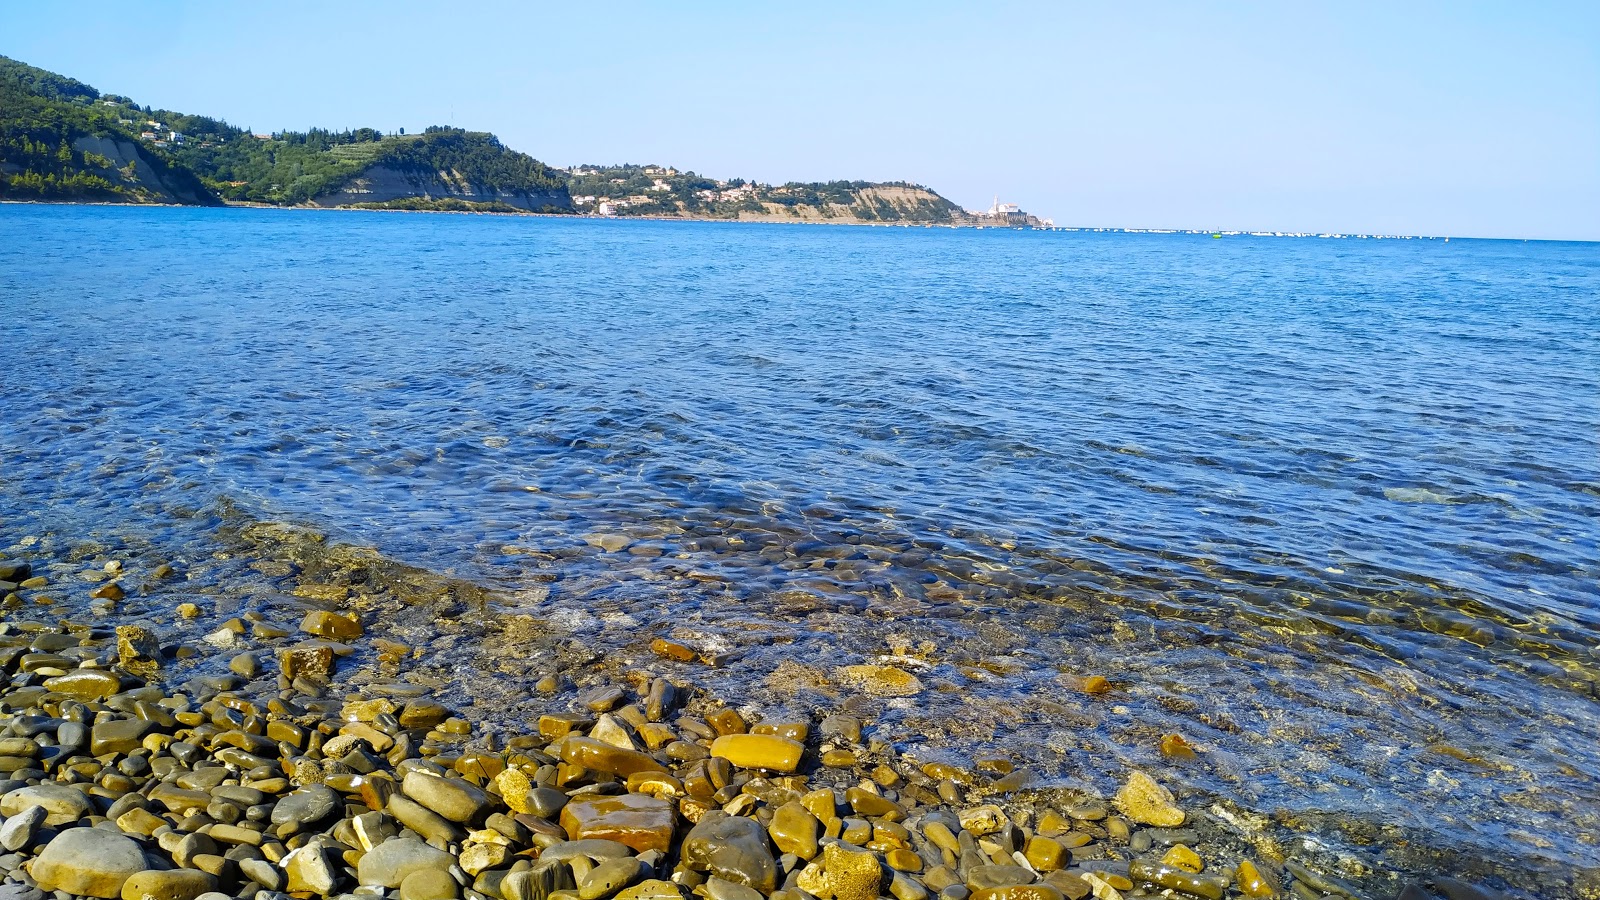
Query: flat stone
x=122 y=736
x=593 y=848
x=643 y=823
x=307 y=806
x=759 y=751
x=263 y=873
x=1148 y=803
x=984 y=877
x=85 y=684
x=599 y=756
x=173 y=884
x=454 y=798
x=91 y=862
x=429 y=884
x=390 y=862
x=422 y=713
x=63 y=805
x=732 y=848
x=422 y=820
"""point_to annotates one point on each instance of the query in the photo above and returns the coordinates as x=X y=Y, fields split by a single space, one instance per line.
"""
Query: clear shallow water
x=1327 y=508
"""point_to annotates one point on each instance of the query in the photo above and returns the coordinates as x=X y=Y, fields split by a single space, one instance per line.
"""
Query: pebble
x=19 y=830
x=172 y=884
x=63 y=805
x=1148 y=803
x=90 y=862
x=759 y=751
x=429 y=884
x=389 y=863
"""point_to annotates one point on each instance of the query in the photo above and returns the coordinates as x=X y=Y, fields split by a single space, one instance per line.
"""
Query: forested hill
x=61 y=139
x=633 y=190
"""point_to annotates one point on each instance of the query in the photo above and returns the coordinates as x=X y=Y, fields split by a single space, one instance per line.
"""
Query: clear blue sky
x=1416 y=117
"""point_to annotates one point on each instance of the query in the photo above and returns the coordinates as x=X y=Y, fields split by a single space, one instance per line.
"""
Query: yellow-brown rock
x=795 y=830
x=643 y=823
x=598 y=756
x=852 y=874
x=1184 y=858
x=516 y=790
x=671 y=650
x=759 y=751
x=1252 y=883
x=886 y=681
x=331 y=625
x=903 y=860
x=1046 y=855
x=1148 y=803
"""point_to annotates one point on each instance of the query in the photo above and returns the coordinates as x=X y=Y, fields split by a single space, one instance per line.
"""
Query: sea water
x=1325 y=508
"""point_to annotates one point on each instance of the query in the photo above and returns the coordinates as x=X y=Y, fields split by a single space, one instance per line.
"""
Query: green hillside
x=61 y=139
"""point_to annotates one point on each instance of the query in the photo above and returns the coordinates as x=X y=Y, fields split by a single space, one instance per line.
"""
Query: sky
x=1458 y=118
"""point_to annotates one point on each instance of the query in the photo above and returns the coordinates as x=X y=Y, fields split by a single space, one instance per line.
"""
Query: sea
x=1325 y=508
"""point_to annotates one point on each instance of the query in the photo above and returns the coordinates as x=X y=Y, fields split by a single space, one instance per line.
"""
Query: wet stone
x=429 y=884
x=732 y=848
x=795 y=830
x=85 y=684
x=306 y=806
x=759 y=751
x=643 y=823
x=1148 y=803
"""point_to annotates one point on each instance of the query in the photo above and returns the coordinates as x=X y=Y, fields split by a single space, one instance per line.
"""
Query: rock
x=1148 y=803
x=454 y=798
x=390 y=862
x=886 y=681
x=1045 y=854
x=138 y=650
x=306 y=660
x=1252 y=883
x=1018 y=892
x=732 y=848
x=307 y=869
x=602 y=757
x=12 y=890
x=653 y=889
x=759 y=751
x=794 y=830
x=866 y=803
x=516 y=790
x=91 y=862
x=672 y=650
x=982 y=820
x=85 y=684
x=643 y=823
x=479 y=857
x=331 y=625
x=174 y=884
x=608 y=877
x=19 y=831
x=1184 y=858
x=983 y=877
x=718 y=889
x=122 y=736
x=1163 y=875
x=63 y=805
x=109 y=591
x=245 y=665
x=422 y=713
x=852 y=873
x=263 y=873
x=1070 y=885
x=307 y=806
x=429 y=884
x=593 y=849
x=422 y=820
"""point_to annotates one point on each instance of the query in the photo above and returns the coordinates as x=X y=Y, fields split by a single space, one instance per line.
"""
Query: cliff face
x=383 y=184
x=886 y=203
x=145 y=176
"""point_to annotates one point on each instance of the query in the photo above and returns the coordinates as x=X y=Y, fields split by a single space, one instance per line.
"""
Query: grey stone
x=91 y=862
x=307 y=806
x=63 y=805
x=19 y=831
x=734 y=849
x=390 y=862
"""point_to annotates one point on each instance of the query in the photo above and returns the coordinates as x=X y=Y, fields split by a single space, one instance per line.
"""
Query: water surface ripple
x=1327 y=508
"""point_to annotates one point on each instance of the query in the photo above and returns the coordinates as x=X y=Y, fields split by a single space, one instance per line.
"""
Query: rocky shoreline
x=121 y=777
